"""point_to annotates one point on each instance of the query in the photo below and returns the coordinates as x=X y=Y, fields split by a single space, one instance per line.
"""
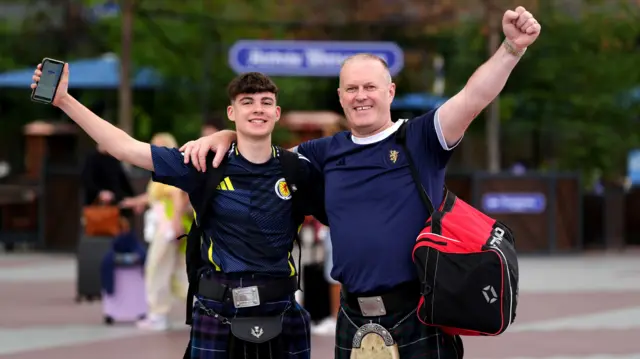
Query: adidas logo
x=225 y=185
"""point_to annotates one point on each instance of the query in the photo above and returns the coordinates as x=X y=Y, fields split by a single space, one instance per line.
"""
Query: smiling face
x=253 y=105
x=366 y=93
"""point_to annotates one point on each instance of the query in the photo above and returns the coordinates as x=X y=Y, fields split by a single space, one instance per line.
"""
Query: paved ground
x=585 y=307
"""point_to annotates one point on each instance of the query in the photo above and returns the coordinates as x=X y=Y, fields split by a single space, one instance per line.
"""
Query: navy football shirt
x=249 y=227
x=373 y=206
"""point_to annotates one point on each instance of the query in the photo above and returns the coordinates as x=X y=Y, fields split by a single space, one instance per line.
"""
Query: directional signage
x=307 y=58
x=514 y=202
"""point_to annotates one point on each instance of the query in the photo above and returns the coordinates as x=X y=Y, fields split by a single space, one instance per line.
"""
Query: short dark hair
x=250 y=83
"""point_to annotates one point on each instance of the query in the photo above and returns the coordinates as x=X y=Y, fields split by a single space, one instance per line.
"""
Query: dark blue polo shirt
x=373 y=207
x=249 y=227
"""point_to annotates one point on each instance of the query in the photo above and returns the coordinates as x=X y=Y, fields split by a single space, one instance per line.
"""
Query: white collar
x=378 y=136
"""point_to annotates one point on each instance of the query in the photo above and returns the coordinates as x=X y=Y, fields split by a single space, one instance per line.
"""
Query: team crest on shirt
x=393 y=155
x=282 y=190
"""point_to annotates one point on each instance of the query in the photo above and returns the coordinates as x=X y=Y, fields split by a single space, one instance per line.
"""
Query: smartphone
x=46 y=88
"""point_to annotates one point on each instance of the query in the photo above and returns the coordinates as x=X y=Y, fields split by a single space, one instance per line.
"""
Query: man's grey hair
x=367 y=56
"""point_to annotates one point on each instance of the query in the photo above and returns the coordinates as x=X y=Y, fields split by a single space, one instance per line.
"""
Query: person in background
x=212 y=124
x=104 y=180
x=328 y=325
x=171 y=276
x=165 y=267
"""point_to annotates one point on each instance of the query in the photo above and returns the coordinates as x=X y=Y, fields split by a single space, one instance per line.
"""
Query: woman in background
x=165 y=268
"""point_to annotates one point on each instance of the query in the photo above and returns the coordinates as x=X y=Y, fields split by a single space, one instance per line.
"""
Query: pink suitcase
x=128 y=302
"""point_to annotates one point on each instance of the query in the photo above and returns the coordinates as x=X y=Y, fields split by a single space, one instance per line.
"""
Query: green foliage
x=571 y=86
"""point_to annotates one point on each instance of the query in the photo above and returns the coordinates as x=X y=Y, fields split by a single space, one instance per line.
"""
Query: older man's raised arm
x=521 y=29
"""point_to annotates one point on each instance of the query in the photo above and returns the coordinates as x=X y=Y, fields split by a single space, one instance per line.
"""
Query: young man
x=374 y=210
x=249 y=232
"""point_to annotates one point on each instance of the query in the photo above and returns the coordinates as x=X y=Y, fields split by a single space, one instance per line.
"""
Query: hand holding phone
x=50 y=82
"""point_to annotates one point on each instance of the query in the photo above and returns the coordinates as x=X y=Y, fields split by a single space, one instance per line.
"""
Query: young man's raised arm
x=115 y=141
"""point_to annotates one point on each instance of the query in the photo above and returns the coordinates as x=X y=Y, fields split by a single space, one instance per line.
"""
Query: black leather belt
x=271 y=290
x=395 y=300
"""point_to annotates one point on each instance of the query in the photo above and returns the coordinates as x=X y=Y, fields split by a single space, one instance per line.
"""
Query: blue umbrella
x=98 y=73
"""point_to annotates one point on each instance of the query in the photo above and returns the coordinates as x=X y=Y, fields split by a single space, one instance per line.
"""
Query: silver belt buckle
x=372 y=306
x=246 y=297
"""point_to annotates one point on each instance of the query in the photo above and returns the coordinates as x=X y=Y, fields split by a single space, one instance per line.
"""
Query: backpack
x=298 y=188
x=467 y=266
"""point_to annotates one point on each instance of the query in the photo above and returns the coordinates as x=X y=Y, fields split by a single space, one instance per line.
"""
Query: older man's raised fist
x=520 y=28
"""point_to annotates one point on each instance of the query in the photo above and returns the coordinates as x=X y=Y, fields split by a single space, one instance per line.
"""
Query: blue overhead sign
x=307 y=58
x=514 y=202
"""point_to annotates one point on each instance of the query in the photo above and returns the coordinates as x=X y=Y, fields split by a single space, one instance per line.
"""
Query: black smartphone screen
x=51 y=73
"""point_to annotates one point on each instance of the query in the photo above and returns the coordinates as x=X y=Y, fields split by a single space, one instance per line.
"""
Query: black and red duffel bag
x=467 y=265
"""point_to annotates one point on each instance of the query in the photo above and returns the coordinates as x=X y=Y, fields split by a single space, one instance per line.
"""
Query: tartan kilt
x=414 y=339
x=211 y=338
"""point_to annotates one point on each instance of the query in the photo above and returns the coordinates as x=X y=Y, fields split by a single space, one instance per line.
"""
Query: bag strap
x=193 y=256
x=401 y=138
x=290 y=162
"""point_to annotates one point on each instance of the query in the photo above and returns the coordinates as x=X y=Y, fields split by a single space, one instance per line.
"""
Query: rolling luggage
x=122 y=280
x=89 y=256
x=128 y=302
